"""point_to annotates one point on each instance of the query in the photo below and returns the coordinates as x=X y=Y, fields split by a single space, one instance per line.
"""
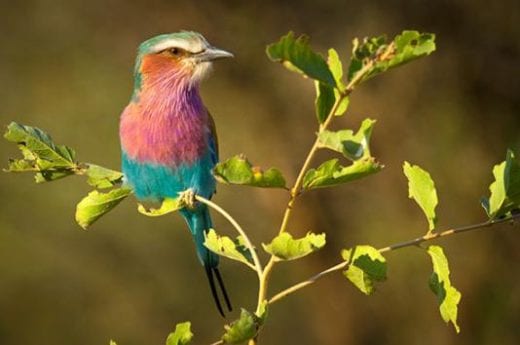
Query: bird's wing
x=213 y=140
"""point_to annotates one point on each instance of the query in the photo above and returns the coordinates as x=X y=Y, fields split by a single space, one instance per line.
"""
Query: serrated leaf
x=241 y=330
x=296 y=55
x=168 y=205
x=325 y=99
x=421 y=188
x=352 y=146
x=377 y=55
x=238 y=170
x=366 y=267
x=448 y=296
x=97 y=204
x=285 y=247
x=505 y=190
x=224 y=246
x=182 y=334
x=39 y=146
x=101 y=177
x=331 y=173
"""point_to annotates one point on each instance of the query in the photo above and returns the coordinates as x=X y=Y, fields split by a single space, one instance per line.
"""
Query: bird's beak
x=213 y=53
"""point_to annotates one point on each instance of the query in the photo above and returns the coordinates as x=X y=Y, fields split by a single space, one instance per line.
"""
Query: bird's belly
x=154 y=182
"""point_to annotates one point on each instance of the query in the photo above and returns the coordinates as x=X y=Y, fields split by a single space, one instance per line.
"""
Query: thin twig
x=249 y=245
x=414 y=242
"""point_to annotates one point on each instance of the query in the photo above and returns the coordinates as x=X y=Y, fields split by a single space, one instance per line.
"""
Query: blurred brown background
x=65 y=66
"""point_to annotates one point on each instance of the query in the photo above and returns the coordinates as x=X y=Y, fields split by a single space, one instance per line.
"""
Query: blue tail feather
x=199 y=222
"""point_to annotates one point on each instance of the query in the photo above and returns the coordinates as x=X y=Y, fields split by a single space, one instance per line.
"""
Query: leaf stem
x=413 y=242
x=249 y=245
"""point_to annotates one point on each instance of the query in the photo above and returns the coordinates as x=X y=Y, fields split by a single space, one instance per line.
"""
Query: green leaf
x=325 y=99
x=366 y=267
x=336 y=68
x=296 y=55
x=243 y=329
x=101 y=177
x=112 y=342
x=97 y=204
x=343 y=104
x=505 y=190
x=182 y=334
x=331 y=173
x=376 y=55
x=422 y=189
x=285 y=247
x=40 y=155
x=51 y=175
x=448 y=296
x=353 y=146
x=238 y=170
x=168 y=205
x=224 y=246
x=38 y=146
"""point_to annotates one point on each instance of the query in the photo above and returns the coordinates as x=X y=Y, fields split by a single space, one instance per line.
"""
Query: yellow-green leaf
x=182 y=334
x=46 y=153
x=421 y=188
x=168 y=205
x=336 y=67
x=505 y=190
x=285 y=247
x=366 y=267
x=352 y=146
x=97 y=204
x=325 y=99
x=343 y=105
x=376 y=55
x=243 y=329
x=224 y=246
x=101 y=177
x=447 y=295
x=296 y=55
x=331 y=173
x=40 y=154
x=238 y=170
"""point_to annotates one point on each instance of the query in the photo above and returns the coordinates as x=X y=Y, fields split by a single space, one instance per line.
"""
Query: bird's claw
x=188 y=198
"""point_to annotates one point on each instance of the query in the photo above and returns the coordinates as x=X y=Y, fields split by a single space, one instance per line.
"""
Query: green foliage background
x=65 y=66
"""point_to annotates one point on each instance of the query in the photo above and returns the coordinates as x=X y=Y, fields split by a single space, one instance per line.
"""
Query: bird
x=168 y=137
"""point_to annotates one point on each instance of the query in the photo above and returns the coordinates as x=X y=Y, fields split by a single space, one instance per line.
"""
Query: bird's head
x=181 y=58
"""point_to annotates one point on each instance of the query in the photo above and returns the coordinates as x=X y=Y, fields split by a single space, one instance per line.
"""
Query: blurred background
x=66 y=66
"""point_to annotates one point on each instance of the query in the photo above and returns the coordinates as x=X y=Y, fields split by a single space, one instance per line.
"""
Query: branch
x=414 y=242
x=249 y=245
x=296 y=189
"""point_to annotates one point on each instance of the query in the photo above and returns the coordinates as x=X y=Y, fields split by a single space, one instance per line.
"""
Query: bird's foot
x=188 y=198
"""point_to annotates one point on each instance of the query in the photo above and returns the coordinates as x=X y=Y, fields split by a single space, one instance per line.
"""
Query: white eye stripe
x=190 y=46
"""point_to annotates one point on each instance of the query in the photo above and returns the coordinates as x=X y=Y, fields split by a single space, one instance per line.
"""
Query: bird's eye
x=176 y=51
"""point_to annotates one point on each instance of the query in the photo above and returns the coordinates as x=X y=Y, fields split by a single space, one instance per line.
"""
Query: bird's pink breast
x=170 y=137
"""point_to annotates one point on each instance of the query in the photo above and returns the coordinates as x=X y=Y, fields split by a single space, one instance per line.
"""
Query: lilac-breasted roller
x=168 y=137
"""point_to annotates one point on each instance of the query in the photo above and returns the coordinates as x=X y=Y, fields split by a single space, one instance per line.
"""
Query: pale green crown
x=187 y=40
